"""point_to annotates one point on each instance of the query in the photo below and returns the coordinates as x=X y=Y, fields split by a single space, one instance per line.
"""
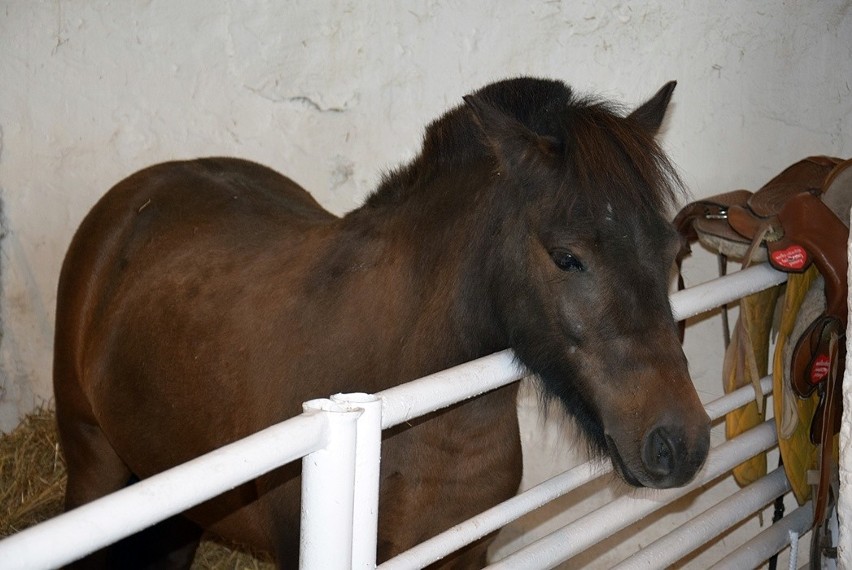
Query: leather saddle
x=795 y=221
x=798 y=229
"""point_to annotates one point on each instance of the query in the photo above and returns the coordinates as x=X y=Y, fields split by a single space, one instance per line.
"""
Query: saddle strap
x=829 y=444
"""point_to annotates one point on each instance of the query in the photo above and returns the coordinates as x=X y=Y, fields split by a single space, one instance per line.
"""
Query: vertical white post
x=367 y=460
x=328 y=487
x=844 y=500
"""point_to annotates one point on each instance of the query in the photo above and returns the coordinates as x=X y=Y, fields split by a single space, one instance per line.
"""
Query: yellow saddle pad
x=793 y=414
x=746 y=362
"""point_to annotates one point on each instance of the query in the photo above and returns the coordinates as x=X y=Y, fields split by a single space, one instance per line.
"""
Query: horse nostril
x=658 y=453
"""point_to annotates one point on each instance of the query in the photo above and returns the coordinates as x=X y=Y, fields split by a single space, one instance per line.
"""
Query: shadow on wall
x=3 y=379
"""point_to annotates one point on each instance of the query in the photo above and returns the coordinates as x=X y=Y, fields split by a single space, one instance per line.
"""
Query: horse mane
x=611 y=158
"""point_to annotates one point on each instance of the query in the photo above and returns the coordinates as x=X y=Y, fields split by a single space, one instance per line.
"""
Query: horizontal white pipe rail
x=718 y=292
x=570 y=540
x=688 y=537
x=447 y=387
x=500 y=515
x=102 y=522
x=496 y=517
x=76 y=533
x=769 y=542
x=736 y=399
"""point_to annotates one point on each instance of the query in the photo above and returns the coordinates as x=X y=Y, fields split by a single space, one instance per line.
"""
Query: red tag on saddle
x=820 y=368
x=793 y=258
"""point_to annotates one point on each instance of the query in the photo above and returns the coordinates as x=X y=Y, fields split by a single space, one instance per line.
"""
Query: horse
x=203 y=300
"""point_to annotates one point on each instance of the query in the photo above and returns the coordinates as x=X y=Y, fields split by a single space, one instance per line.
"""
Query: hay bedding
x=32 y=484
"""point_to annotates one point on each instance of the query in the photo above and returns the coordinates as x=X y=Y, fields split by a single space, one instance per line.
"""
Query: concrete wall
x=333 y=91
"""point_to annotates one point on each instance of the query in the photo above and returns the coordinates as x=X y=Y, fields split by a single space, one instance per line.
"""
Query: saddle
x=797 y=223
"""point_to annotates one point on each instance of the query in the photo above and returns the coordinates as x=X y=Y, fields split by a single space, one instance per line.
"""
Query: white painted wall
x=332 y=92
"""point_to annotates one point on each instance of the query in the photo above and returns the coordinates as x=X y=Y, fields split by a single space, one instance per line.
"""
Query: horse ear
x=651 y=113
x=512 y=142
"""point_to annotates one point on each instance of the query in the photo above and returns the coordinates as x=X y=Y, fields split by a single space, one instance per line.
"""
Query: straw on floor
x=32 y=484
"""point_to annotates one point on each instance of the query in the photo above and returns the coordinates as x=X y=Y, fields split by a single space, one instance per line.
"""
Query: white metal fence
x=339 y=440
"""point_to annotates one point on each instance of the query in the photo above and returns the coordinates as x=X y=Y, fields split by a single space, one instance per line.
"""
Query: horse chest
x=450 y=466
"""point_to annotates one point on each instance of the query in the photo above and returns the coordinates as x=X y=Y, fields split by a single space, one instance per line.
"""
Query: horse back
x=177 y=226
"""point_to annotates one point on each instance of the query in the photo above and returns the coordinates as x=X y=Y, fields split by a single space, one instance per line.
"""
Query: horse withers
x=202 y=301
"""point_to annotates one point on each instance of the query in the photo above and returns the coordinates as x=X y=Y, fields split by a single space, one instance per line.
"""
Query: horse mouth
x=619 y=466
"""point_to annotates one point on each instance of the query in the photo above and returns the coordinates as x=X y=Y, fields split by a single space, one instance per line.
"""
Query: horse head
x=585 y=255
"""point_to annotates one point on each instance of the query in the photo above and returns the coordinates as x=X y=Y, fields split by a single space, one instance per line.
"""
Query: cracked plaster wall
x=334 y=92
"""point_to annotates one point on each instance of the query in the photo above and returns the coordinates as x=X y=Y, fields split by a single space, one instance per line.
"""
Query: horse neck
x=427 y=248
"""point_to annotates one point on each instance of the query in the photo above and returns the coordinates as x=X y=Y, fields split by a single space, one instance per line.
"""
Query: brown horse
x=201 y=301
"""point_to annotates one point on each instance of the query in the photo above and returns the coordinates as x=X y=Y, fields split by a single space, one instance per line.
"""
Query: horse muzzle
x=668 y=455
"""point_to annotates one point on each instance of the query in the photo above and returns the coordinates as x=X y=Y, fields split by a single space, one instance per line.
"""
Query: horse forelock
x=617 y=164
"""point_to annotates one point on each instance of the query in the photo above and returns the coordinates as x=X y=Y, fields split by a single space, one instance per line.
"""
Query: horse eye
x=566 y=261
